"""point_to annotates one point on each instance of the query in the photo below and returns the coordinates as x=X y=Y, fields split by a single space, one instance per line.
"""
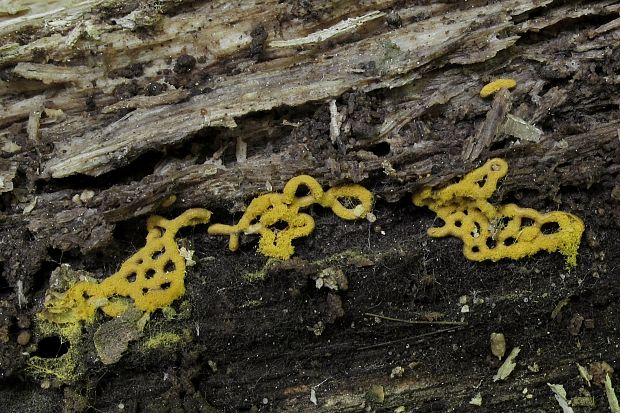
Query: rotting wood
x=404 y=56
x=488 y=130
x=400 y=83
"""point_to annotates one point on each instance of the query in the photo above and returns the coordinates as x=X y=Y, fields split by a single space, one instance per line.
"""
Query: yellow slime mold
x=497 y=84
x=153 y=277
x=508 y=231
x=265 y=211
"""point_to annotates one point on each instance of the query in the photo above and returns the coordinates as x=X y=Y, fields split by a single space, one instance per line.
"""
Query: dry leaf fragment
x=611 y=396
x=574 y=326
x=476 y=400
x=560 y=396
x=584 y=373
x=558 y=308
x=583 y=401
x=509 y=365
x=188 y=255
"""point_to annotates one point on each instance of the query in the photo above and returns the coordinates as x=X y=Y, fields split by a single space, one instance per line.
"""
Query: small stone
x=588 y=323
x=23 y=338
x=397 y=371
x=313 y=398
x=87 y=195
x=498 y=345
x=23 y=321
x=375 y=393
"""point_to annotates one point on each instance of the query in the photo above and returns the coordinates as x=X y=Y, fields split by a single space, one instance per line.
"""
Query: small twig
x=400 y=320
x=316 y=386
x=419 y=336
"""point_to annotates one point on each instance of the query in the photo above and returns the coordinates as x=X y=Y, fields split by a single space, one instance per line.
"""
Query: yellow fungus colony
x=496 y=85
x=153 y=277
x=266 y=211
x=508 y=231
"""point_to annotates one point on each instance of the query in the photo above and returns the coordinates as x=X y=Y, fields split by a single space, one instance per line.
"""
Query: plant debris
x=560 y=396
x=476 y=400
x=611 y=395
x=584 y=373
x=509 y=365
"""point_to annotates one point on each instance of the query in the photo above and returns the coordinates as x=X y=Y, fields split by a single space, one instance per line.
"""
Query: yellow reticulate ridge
x=497 y=84
x=153 y=277
x=493 y=233
x=265 y=211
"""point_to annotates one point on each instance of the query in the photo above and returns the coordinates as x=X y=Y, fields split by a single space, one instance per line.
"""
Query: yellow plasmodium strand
x=153 y=277
x=265 y=211
x=497 y=84
x=493 y=233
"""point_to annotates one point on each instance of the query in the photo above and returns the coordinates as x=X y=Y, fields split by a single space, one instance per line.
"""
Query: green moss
x=347 y=257
x=252 y=303
x=166 y=339
x=67 y=368
x=261 y=274
x=185 y=310
x=169 y=312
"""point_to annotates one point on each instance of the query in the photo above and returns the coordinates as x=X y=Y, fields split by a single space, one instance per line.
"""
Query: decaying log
x=108 y=108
